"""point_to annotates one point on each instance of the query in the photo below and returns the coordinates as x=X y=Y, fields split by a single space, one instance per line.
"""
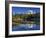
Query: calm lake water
x=25 y=27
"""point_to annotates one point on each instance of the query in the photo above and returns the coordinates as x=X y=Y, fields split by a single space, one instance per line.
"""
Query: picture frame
x=17 y=6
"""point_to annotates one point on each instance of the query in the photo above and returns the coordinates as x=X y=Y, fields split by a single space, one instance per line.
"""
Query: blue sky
x=25 y=10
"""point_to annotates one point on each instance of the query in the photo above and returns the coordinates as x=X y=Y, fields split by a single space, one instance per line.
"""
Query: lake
x=25 y=27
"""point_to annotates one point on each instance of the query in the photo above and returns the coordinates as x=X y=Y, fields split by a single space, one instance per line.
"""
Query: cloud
x=30 y=12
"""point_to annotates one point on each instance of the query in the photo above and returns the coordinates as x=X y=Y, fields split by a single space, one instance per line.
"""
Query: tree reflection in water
x=24 y=27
